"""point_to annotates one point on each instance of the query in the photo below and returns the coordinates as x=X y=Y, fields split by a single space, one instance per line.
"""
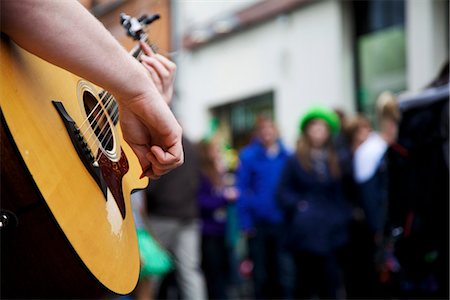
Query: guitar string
x=92 y=111
x=105 y=129
x=103 y=117
x=116 y=116
x=98 y=118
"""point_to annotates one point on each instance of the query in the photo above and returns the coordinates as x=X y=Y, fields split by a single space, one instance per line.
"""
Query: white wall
x=317 y=69
x=303 y=57
x=427 y=28
x=196 y=12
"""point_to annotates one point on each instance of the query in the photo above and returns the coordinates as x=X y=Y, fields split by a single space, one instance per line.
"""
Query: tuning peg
x=144 y=19
x=135 y=27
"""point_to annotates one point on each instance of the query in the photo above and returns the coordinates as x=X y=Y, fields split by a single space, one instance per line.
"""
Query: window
x=237 y=119
x=380 y=47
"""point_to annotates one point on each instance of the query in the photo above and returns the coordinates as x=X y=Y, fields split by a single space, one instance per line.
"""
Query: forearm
x=67 y=35
x=64 y=33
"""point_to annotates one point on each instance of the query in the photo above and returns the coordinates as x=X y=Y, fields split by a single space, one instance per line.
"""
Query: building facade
x=237 y=59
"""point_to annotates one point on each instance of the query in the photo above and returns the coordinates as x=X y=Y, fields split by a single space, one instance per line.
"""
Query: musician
x=65 y=34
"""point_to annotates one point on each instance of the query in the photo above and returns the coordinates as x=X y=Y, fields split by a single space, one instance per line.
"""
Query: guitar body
x=70 y=234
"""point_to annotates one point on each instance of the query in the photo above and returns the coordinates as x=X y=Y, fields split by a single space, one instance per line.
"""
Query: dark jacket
x=316 y=212
x=175 y=194
x=257 y=181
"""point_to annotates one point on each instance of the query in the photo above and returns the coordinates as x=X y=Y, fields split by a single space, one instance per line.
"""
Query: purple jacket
x=213 y=207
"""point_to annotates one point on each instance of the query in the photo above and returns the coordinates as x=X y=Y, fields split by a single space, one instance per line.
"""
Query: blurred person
x=370 y=163
x=173 y=219
x=315 y=210
x=342 y=142
x=371 y=171
x=358 y=264
x=340 y=138
x=358 y=130
x=172 y=200
x=214 y=197
x=260 y=218
x=419 y=194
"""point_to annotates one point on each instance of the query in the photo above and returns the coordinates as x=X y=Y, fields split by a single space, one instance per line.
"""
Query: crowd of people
x=311 y=223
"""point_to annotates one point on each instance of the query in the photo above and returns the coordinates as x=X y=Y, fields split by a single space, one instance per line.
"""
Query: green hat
x=321 y=113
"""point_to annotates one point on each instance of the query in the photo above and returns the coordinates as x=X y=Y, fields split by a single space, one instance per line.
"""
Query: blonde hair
x=387 y=108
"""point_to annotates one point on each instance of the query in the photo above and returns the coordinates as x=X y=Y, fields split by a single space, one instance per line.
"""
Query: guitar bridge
x=81 y=146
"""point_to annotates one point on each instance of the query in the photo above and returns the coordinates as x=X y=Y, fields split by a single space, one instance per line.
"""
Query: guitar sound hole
x=98 y=119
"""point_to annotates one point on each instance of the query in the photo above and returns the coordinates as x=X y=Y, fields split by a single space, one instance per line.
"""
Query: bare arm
x=67 y=35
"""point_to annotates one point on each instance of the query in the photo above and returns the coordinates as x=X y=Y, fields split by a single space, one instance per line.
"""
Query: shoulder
x=368 y=157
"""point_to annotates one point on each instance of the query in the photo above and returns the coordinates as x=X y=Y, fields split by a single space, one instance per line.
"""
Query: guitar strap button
x=8 y=219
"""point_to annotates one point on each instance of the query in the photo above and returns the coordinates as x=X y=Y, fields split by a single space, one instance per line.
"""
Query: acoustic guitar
x=67 y=229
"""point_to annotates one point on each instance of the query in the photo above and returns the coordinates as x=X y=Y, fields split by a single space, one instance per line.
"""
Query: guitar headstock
x=136 y=29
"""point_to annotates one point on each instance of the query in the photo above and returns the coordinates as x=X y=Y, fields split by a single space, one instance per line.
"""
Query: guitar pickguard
x=112 y=174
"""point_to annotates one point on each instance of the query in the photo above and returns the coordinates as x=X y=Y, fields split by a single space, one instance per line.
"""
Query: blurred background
x=238 y=60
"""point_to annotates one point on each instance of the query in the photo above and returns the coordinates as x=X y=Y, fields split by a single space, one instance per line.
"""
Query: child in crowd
x=316 y=212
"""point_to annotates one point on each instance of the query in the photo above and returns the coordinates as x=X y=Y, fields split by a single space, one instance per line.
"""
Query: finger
x=170 y=65
x=172 y=157
x=146 y=48
x=150 y=174
x=154 y=75
x=141 y=151
x=157 y=165
x=153 y=172
x=159 y=172
x=159 y=67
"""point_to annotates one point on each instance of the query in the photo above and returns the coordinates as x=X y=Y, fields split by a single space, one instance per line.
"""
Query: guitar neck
x=136 y=52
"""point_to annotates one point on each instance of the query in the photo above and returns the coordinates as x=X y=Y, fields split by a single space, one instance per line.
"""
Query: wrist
x=137 y=85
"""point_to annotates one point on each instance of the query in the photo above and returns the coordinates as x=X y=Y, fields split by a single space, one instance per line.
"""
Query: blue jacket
x=257 y=180
x=316 y=212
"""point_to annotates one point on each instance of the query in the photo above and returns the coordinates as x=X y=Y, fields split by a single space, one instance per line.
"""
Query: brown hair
x=353 y=126
x=208 y=165
x=304 y=150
